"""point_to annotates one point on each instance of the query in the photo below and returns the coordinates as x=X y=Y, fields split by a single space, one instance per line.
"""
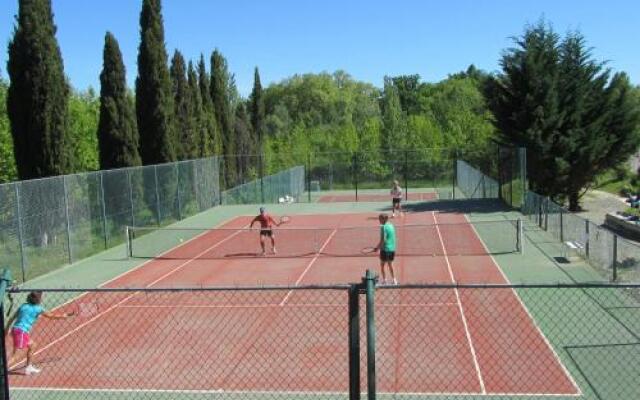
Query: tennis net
x=453 y=239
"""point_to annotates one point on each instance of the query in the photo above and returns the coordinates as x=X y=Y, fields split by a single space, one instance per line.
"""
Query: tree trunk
x=574 y=202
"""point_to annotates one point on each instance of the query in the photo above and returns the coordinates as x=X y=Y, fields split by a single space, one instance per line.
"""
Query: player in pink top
x=266 y=222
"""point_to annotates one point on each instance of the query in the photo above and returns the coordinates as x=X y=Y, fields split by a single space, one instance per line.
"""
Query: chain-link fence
x=335 y=342
x=614 y=257
x=286 y=186
x=46 y=223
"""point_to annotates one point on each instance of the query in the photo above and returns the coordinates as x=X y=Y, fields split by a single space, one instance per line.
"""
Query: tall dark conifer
x=245 y=143
x=184 y=115
x=554 y=99
x=202 y=143
x=211 y=125
x=117 y=132
x=154 y=100
x=38 y=94
x=257 y=112
x=220 y=80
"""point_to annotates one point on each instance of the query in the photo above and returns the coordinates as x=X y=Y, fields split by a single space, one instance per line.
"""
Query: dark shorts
x=396 y=201
x=387 y=255
x=266 y=232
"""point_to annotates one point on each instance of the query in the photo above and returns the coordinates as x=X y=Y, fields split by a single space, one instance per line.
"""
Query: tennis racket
x=84 y=310
x=369 y=250
x=284 y=220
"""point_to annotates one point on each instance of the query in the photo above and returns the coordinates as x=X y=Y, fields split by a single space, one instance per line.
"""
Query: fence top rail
x=335 y=287
x=16 y=290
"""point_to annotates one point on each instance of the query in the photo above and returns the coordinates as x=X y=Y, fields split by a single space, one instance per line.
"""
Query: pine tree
x=575 y=121
x=154 y=100
x=222 y=108
x=38 y=94
x=117 y=132
x=257 y=112
x=211 y=125
x=184 y=115
x=203 y=146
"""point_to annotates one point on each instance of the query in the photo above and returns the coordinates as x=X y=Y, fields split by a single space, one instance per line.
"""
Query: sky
x=366 y=38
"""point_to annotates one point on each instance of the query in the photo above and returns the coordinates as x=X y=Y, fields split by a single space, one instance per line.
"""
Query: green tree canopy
x=221 y=98
x=154 y=100
x=117 y=131
x=38 y=94
x=8 y=171
x=186 y=123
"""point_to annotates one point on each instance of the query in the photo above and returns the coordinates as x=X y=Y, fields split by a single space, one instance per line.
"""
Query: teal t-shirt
x=27 y=316
x=388 y=235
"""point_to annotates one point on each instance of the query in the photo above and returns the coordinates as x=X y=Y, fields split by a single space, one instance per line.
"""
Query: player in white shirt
x=396 y=194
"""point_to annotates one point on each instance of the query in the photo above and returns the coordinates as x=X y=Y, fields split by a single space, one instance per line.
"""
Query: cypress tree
x=215 y=142
x=117 y=132
x=222 y=108
x=154 y=101
x=38 y=94
x=203 y=146
x=244 y=142
x=184 y=116
x=257 y=112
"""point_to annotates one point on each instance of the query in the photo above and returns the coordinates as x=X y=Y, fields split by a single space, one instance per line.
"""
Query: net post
x=614 y=258
x=586 y=240
x=354 y=343
x=127 y=241
x=520 y=236
x=369 y=282
x=4 y=283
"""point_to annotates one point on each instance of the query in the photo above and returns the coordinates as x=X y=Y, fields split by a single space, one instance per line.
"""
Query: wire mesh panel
x=118 y=203
x=189 y=344
x=45 y=229
x=627 y=261
x=86 y=219
x=10 y=251
x=474 y=184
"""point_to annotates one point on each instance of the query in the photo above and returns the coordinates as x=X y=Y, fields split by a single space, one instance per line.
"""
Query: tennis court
x=246 y=341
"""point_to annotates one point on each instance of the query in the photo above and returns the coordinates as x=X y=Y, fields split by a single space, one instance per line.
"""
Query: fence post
x=586 y=240
x=369 y=281
x=546 y=213
x=354 y=343
x=355 y=172
x=561 y=225
x=155 y=173
x=23 y=261
x=454 y=179
x=406 y=175
x=133 y=218
x=261 y=173
x=178 y=191
x=309 y=177
x=4 y=283
x=104 y=211
x=66 y=214
x=614 y=261
x=520 y=236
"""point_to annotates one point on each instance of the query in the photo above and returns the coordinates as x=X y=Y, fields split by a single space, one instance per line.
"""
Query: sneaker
x=395 y=281
x=274 y=251
x=30 y=369
x=263 y=253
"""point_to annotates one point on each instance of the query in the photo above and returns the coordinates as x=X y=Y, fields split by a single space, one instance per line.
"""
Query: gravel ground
x=596 y=204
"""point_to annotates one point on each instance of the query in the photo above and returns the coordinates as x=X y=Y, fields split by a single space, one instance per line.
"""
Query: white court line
x=113 y=307
x=524 y=307
x=309 y=266
x=280 y=392
x=462 y=315
x=273 y=305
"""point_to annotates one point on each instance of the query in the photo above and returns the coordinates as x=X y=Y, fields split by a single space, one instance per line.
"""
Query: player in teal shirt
x=27 y=315
x=387 y=247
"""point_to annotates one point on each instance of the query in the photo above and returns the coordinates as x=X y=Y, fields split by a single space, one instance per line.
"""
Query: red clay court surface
x=429 y=341
x=373 y=197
